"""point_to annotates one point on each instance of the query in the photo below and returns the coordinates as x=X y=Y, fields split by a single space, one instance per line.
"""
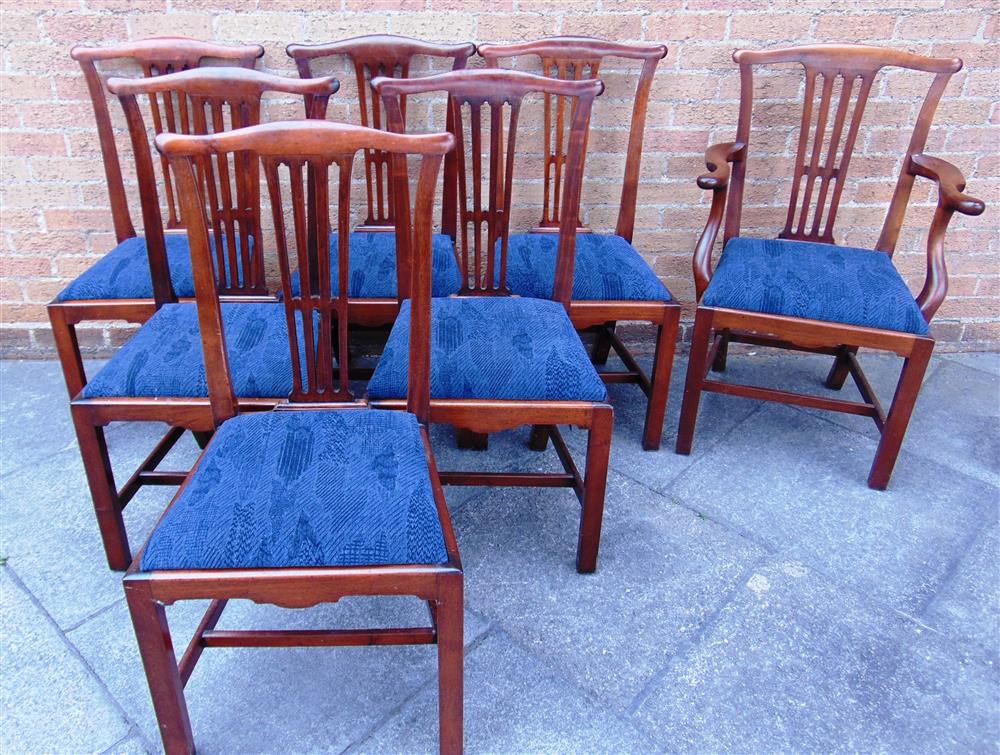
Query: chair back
x=372 y=56
x=839 y=80
x=300 y=160
x=575 y=58
x=479 y=221
x=153 y=57
x=206 y=101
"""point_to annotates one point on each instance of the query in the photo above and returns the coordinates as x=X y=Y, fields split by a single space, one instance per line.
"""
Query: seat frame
x=154 y=56
x=215 y=87
x=371 y=56
x=439 y=585
x=581 y=57
x=474 y=418
x=716 y=327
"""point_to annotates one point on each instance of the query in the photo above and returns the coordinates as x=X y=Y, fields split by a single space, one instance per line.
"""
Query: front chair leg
x=910 y=380
x=451 y=647
x=103 y=491
x=663 y=360
x=595 y=482
x=840 y=368
x=695 y=376
x=165 y=686
x=602 y=344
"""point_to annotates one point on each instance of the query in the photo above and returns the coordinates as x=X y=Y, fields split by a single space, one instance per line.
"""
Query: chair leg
x=68 y=348
x=595 y=482
x=602 y=344
x=451 y=648
x=840 y=369
x=539 y=438
x=103 y=491
x=202 y=437
x=695 y=376
x=470 y=440
x=165 y=686
x=719 y=363
x=663 y=360
x=896 y=422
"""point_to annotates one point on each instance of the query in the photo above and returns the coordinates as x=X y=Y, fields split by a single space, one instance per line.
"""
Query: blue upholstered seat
x=605 y=268
x=165 y=358
x=305 y=488
x=373 y=266
x=123 y=273
x=493 y=347
x=816 y=281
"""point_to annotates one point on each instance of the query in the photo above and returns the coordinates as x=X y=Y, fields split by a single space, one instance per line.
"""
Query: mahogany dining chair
x=147 y=270
x=612 y=281
x=372 y=283
x=159 y=375
x=320 y=498
x=500 y=361
x=802 y=291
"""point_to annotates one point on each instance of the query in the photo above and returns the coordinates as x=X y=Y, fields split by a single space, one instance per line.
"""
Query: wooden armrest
x=950 y=181
x=717 y=159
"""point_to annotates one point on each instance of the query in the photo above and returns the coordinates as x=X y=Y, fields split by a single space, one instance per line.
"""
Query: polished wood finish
x=841 y=77
x=295 y=149
x=153 y=57
x=481 y=223
x=205 y=100
x=575 y=58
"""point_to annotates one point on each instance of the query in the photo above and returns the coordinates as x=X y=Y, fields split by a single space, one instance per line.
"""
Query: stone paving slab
x=753 y=596
x=797 y=483
x=661 y=571
x=796 y=664
x=513 y=704
x=49 y=700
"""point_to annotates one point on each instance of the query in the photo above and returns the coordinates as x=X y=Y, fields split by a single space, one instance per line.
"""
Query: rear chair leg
x=663 y=360
x=840 y=369
x=470 y=440
x=602 y=344
x=165 y=686
x=719 y=363
x=451 y=648
x=68 y=348
x=539 y=439
x=103 y=492
x=910 y=380
x=695 y=376
x=595 y=481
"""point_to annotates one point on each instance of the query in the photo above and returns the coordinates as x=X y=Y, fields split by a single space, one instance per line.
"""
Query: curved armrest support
x=951 y=199
x=717 y=160
x=950 y=181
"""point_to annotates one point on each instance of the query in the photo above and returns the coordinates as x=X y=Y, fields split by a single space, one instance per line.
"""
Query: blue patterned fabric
x=305 y=488
x=372 y=267
x=816 y=281
x=493 y=347
x=606 y=268
x=123 y=273
x=165 y=357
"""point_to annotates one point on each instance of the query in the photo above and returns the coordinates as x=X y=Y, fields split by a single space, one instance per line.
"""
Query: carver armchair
x=803 y=291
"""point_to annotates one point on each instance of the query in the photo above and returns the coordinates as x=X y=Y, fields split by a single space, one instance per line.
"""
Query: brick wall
x=55 y=221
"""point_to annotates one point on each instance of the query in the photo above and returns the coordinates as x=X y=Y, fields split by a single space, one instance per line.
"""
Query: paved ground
x=752 y=597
